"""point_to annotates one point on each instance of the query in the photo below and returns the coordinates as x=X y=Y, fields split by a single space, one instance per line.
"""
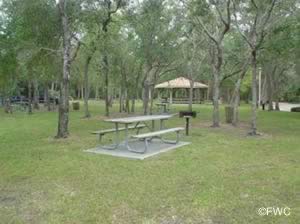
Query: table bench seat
x=106 y=131
x=148 y=136
x=157 y=133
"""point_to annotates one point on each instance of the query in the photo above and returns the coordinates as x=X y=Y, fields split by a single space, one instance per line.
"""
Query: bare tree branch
x=265 y=19
x=199 y=20
x=50 y=50
x=238 y=27
x=76 y=51
x=254 y=4
x=242 y=69
x=226 y=23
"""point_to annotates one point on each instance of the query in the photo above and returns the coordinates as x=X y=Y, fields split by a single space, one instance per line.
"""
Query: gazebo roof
x=180 y=83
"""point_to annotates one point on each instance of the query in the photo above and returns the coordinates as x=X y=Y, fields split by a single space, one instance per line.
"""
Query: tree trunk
x=7 y=106
x=269 y=89
x=36 y=95
x=264 y=94
x=253 y=130
x=277 y=92
x=228 y=114
x=235 y=100
x=52 y=86
x=86 y=87
x=148 y=85
x=46 y=96
x=63 y=110
x=277 y=104
x=123 y=90
x=146 y=97
x=82 y=92
x=136 y=90
x=126 y=96
x=151 y=95
x=133 y=105
x=208 y=91
x=228 y=95
x=216 y=95
x=97 y=90
x=106 y=64
x=120 y=99
x=191 y=95
x=235 y=118
x=124 y=101
x=106 y=83
x=78 y=92
x=135 y=97
x=127 y=103
x=47 y=102
x=217 y=61
x=29 y=97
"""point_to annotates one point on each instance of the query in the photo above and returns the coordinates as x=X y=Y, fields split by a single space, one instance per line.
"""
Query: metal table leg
x=153 y=125
x=161 y=124
x=172 y=142
x=117 y=143
x=117 y=133
x=126 y=136
x=127 y=140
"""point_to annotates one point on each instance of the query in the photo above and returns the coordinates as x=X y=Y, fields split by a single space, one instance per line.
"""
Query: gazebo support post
x=171 y=96
x=159 y=95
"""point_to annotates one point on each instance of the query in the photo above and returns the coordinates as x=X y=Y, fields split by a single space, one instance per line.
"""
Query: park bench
x=101 y=133
x=149 y=136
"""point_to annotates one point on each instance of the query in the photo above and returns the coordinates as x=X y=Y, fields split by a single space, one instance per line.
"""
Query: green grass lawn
x=222 y=177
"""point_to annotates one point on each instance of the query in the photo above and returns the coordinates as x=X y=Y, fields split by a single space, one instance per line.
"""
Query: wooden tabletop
x=129 y=120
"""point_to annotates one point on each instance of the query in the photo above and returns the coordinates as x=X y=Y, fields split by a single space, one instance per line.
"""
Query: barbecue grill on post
x=187 y=115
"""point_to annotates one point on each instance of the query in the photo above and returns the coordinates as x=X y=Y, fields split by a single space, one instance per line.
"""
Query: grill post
x=187 y=124
x=187 y=115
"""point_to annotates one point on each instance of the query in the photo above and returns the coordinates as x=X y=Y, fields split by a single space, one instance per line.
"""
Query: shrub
x=295 y=109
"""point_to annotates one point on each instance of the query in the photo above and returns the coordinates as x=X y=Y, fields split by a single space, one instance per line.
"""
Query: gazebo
x=178 y=91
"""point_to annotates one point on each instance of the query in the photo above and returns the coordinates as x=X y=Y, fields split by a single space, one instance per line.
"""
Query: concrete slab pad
x=155 y=147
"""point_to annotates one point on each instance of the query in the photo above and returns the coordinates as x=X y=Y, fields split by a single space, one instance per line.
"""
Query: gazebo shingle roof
x=180 y=83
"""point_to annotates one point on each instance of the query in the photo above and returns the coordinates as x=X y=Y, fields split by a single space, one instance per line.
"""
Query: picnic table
x=126 y=121
x=137 y=123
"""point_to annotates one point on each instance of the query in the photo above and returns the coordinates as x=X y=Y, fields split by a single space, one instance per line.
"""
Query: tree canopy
x=117 y=49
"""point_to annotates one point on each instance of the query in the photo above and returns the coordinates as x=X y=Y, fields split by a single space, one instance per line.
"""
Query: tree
x=63 y=110
x=109 y=9
x=89 y=50
x=195 y=56
x=253 y=28
x=32 y=28
x=8 y=63
x=156 y=33
x=279 y=54
x=214 y=18
x=235 y=69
